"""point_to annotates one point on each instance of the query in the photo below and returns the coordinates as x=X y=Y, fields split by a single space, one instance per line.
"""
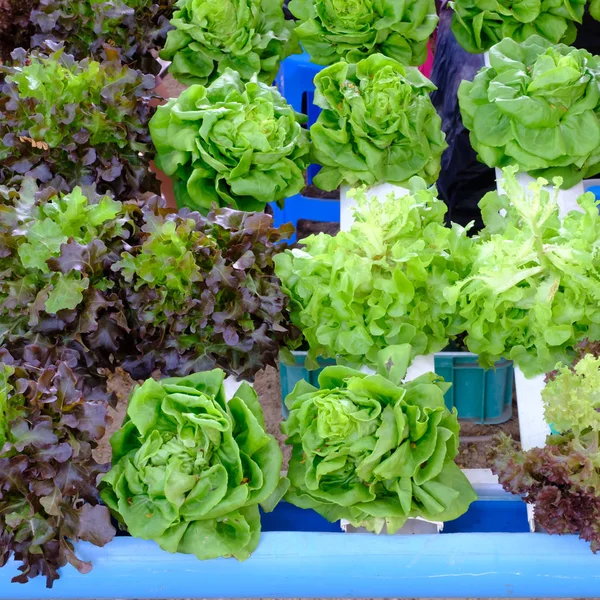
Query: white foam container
x=347 y=203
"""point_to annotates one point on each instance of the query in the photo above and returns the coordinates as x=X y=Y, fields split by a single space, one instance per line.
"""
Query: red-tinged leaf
x=95 y=525
x=52 y=503
x=40 y=435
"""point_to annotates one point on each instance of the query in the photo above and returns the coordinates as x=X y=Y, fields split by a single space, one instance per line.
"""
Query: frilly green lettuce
x=533 y=290
x=379 y=284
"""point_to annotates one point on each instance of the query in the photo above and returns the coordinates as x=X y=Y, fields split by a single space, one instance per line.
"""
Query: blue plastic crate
x=295 y=82
x=479 y=395
x=300 y=207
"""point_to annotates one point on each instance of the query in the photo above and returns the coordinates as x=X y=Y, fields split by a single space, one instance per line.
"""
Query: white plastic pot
x=532 y=424
x=419 y=366
x=231 y=385
x=347 y=203
x=567 y=199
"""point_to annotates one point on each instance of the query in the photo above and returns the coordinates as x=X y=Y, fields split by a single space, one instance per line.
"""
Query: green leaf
x=66 y=293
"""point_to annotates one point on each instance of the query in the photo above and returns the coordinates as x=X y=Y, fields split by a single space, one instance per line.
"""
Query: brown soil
x=306 y=227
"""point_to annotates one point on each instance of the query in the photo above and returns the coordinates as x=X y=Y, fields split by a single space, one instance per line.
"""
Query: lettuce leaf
x=479 y=24
x=532 y=291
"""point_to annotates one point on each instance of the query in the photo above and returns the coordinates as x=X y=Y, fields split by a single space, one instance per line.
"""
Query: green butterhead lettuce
x=231 y=143
x=332 y=30
x=537 y=106
x=210 y=36
x=479 y=24
x=373 y=450
x=190 y=469
x=377 y=125
x=534 y=287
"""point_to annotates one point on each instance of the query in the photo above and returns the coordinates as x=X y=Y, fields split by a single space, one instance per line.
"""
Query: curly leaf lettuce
x=532 y=292
x=562 y=479
x=132 y=285
x=133 y=28
x=51 y=421
x=377 y=125
x=333 y=30
x=379 y=284
x=190 y=469
x=480 y=24
x=70 y=123
x=231 y=143
x=210 y=36
x=537 y=106
x=375 y=451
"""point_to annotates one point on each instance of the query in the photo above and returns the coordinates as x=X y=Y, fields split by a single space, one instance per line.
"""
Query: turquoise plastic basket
x=480 y=396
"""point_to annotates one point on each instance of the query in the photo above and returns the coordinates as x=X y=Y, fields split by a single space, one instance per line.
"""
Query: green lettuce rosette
x=332 y=30
x=479 y=24
x=190 y=469
x=538 y=107
x=373 y=450
x=210 y=36
x=232 y=143
x=377 y=125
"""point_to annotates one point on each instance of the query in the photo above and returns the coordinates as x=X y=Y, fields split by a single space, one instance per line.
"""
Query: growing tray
x=486 y=553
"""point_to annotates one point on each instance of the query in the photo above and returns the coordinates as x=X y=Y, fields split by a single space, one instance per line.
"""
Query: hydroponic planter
x=473 y=559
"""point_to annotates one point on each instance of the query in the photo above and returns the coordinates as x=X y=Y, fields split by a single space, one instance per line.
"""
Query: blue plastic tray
x=306 y=559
